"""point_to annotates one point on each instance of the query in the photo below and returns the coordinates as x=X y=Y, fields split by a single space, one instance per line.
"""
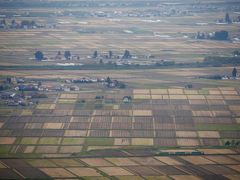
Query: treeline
x=211 y=61
x=218 y=35
x=219 y=61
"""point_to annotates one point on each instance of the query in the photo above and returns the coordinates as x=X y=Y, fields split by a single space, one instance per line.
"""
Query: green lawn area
x=29 y=140
x=71 y=141
x=218 y=127
x=51 y=140
x=4 y=149
x=99 y=141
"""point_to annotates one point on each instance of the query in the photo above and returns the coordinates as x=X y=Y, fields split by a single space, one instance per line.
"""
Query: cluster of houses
x=20 y=99
x=107 y=82
x=24 y=24
x=22 y=85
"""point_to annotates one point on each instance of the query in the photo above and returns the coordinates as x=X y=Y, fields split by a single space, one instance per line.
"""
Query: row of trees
x=21 y=24
x=218 y=35
x=40 y=56
x=67 y=54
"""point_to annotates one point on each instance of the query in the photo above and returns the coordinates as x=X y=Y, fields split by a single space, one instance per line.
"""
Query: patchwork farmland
x=75 y=123
x=223 y=166
x=120 y=90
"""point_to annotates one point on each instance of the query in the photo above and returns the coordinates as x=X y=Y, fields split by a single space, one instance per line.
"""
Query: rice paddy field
x=164 y=37
x=163 y=130
x=223 y=166
x=65 y=125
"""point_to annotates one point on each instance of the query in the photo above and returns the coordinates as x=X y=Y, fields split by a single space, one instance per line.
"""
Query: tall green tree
x=234 y=72
x=39 y=55
x=67 y=55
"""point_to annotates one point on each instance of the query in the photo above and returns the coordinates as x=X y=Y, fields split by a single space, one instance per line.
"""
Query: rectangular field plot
x=190 y=92
x=121 y=133
x=142 y=113
x=159 y=91
x=143 y=171
x=175 y=91
x=121 y=113
x=210 y=142
x=221 y=113
x=52 y=125
x=143 y=125
x=115 y=171
x=46 y=149
x=186 y=134
x=208 y=134
x=168 y=160
x=49 y=140
x=70 y=101
x=218 y=169
x=45 y=106
x=41 y=163
x=156 y=96
x=96 y=162
x=202 y=113
x=7 y=140
x=142 y=133
x=224 y=92
x=57 y=172
x=150 y=161
x=75 y=133
x=170 y=170
x=122 y=161
x=69 y=96
x=66 y=162
x=196 y=97
x=187 y=142
x=70 y=149
x=9 y=174
x=122 y=141
x=178 y=97
x=221 y=159
x=142 y=141
x=79 y=119
x=99 y=133
x=79 y=125
x=100 y=125
x=142 y=96
x=164 y=126
x=33 y=125
x=198 y=160
x=165 y=142
x=141 y=91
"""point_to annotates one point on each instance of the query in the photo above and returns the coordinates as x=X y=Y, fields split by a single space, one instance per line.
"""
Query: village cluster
x=19 y=91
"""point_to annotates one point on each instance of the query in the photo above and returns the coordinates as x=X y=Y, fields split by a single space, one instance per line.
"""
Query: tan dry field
x=185 y=177
x=66 y=162
x=122 y=161
x=142 y=141
x=218 y=151
x=134 y=77
x=57 y=172
x=142 y=41
x=7 y=140
x=197 y=160
x=221 y=159
x=84 y=171
x=186 y=134
x=147 y=161
x=95 y=162
x=70 y=149
x=187 y=142
x=168 y=160
x=115 y=171
x=208 y=134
